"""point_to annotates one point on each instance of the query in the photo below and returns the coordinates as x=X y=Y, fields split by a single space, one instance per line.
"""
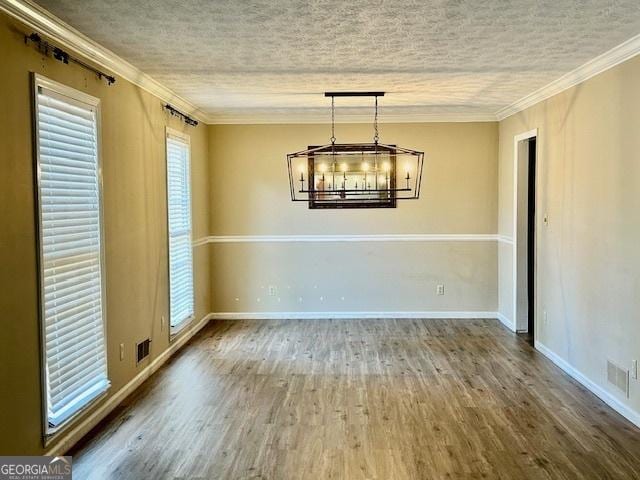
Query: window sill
x=175 y=332
x=52 y=433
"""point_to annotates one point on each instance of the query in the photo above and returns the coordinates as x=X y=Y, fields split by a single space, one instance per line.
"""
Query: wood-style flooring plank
x=360 y=399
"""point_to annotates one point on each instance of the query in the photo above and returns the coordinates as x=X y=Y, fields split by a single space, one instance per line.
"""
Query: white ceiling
x=241 y=60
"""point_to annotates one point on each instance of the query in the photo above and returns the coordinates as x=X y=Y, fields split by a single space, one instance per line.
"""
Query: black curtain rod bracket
x=65 y=57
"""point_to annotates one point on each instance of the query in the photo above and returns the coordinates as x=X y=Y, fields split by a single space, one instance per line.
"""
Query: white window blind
x=75 y=364
x=181 y=299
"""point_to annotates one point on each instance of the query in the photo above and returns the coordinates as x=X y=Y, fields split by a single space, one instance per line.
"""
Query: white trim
x=346 y=117
x=507 y=322
x=177 y=135
x=83 y=100
x=65 y=90
x=60 y=32
x=177 y=330
x=505 y=239
x=76 y=433
x=200 y=241
x=348 y=315
x=593 y=67
x=410 y=237
x=625 y=410
x=64 y=35
x=514 y=236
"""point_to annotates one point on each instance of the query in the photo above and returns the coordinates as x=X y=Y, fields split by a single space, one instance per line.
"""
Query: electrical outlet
x=273 y=290
x=121 y=351
x=440 y=290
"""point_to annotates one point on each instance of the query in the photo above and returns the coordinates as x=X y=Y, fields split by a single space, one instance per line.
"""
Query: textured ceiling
x=235 y=58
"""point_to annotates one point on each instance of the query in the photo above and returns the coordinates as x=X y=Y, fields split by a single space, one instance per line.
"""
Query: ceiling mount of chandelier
x=355 y=175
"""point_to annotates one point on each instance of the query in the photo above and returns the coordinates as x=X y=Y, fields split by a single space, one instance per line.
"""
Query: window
x=71 y=260
x=181 y=300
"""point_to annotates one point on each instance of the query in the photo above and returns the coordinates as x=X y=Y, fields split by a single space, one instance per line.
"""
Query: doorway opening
x=531 y=242
x=525 y=235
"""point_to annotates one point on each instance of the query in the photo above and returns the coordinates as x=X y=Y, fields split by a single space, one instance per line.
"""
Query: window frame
x=174 y=331
x=37 y=81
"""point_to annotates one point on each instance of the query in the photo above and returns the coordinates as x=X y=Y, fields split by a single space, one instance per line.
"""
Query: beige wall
x=250 y=196
x=588 y=263
x=250 y=189
x=133 y=125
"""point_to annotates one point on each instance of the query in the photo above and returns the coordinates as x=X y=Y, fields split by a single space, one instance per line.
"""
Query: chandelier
x=354 y=175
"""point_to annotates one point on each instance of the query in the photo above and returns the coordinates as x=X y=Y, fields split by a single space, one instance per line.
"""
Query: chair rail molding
x=408 y=237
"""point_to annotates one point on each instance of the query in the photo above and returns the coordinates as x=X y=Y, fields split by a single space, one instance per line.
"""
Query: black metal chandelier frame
x=329 y=189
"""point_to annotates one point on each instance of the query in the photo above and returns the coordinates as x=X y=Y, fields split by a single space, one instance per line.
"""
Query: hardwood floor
x=348 y=399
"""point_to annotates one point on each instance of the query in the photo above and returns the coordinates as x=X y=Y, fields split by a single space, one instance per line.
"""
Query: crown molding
x=47 y=24
x=599 y=64
x=312 y=118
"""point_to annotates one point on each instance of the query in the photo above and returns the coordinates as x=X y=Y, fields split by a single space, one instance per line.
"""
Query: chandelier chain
x=333 y=121
x=376 y=137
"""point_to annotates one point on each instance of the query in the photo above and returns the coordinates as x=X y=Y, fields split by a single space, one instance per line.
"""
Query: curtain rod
x=177 y=113
x=61 y=55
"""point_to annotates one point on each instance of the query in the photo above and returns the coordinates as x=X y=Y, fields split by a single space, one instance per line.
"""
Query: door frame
x=520 y=326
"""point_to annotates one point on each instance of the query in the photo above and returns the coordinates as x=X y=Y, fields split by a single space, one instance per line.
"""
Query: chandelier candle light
x=355 y=175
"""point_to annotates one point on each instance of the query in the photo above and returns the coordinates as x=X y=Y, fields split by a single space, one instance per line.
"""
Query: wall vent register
x=618 y=377
x=142 y=350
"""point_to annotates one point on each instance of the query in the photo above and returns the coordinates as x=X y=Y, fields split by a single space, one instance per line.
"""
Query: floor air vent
x=142 y=350
x=618 y=377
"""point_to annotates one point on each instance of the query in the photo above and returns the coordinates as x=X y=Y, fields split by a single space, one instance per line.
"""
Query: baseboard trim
x=80 y=430
x=506 y=321
x=348 y=315
x=76 y=433
x=624 y=410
